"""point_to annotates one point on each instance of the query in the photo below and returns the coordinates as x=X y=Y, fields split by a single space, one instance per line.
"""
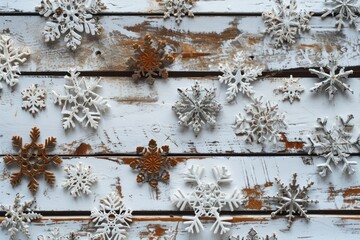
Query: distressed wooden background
x=140 y=112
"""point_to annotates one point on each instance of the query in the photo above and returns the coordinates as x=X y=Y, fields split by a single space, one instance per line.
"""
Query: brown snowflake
x=153 y=164
x=32 y=160
x=150 y=60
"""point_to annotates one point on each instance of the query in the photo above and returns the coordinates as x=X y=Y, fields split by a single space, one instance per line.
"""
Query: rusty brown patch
x=252 y=40
x=190 y=52
x=314 y=46
x=291 y=145
x=82 y=149
x=328 y=48
x=254 y=196
x=154 y=231
x=118 y=187
x=130 y=160
x=350 y=195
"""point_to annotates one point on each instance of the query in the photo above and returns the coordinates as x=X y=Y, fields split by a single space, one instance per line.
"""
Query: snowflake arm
x=178 y=8
x=33 y=99
x=343 y=10
x=291 y=90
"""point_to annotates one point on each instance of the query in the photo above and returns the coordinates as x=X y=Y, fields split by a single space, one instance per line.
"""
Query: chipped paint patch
x=82 y=149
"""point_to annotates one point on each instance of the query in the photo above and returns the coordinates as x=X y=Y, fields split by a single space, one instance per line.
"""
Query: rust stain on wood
x=255 y=196
x=351 y=196
x=118 y=187
x=129 y=160
x=291 y=145
x=82 y=149
x=154 y=231
x=190 y=52
x=313 y=46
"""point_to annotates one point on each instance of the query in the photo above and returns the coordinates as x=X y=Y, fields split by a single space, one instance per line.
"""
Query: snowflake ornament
x=253 y=235
x=81 y=102
x=70 y=17
x=207 y=200
x=239 y=77
x=33 y=99
x=197 y=107
x=291 y=90
x=111 y=219
x=55 y=235
x=343 y=10
x=284 y=23
x=178 y=8
x=17 y=216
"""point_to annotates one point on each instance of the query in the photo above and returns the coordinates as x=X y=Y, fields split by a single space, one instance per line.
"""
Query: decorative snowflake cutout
x=239 y=77
x=33 y=160
x=333 y=145
x=150 y=60
x=292 y=199
x=79 y=179
x=195 y=109
x=55 y=235
x=178 y=8
x=207 y=199
x=111 y=219
x=291 y=90
x=284 y=23
x=10 y=58
x=80 y=101
x=253 y=235
x=70 y=17
x=331 y=81
x=265 y=122
x=33 y=99
x=17 y=216
x=343 y=10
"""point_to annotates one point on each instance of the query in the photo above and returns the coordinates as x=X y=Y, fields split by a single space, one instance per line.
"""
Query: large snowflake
x=284 y=23
x=207 y=199
x=253 y=235
x=291 y=90
x=111 y=219
x=55 y=235
x=80 y=101
x=70 y=17
x=196 y=108
x=33 y=99
x=343 y=10
x=10 y=58
x=265 y=122
x=17 y=216
x=333 y=144
x=178 y=8
x=239 y=76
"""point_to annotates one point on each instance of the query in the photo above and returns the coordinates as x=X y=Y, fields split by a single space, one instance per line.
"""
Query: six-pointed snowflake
x=284 y=23
x=79 y=180
x=111 y=219
x=33 y=99
x=196 y=108
x=178 y=8
x=17 y=216
x=253 y=235
x=207 y=199
x=343 y=10
x=70 y=17
x=291 y=90
x=80 y=101
x=239 y=76
x=55 y=235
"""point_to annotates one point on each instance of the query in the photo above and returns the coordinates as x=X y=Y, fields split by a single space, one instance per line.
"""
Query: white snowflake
x=284 y=23
x=10 y=58
x=70 y=17
x=331 y=81
x=343 y=10
x=33 y=99
x=79 y=180
x=194 y=110
x=111 y=219
x=239 y=76
x=253 y=235
x=265 y=122
x=207 y=199
x=55 y=235
x=291 y=90
x=170 y=234
x=178 y=8
x=80 y=101
x=17 y=216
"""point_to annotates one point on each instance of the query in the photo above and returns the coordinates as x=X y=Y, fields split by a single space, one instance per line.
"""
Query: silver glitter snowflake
x=253 y=235
x=17 y=216
x=33 y=99
x=10 y=58
x=291 y=90
x=111 y=219
x=178 y=8
x=80 y=101
x=284 y=23
x=343 y=10
x=196 y=107
x=265 y=122
x=55 y=235
x=79 y=180
x=239 y=76
x=207 y=199
x=70 y=17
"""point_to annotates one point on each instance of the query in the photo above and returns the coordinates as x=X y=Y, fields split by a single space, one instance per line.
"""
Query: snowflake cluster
x=253 y=235
x=55 y=235
x=33 y=99
x=178 y=8
x=291 y=90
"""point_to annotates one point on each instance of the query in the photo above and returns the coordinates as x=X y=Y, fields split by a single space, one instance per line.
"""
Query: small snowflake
x=178 y=8
x=253 y=235
x=33 y=99
x=291 y=90
x=265 y=122
x=170 y=234
x=239 y=77
x=70 y=17
x=195 y=108
x=17 y=216
x=55 y=235
x=207 y=199
x=111 y=219
x=79 y=179
x=80 y=101
x=10 y=58
x=284 y=23
x=343 y=10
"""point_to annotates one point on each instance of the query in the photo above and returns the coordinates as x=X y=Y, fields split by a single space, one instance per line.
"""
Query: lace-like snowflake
x=17 y=216
x=33 y=99
x=332 y=81
x=195 y=109
x=291 y=90
x=70 y=17
x=207 y=199
x=284 y=23
x=79 y=179
x=10 y=58
x=239 y=77
x=55 y=235
x=343 y=10
x=253 y=235
x=111 y=219
x=178 y=8
x=265 y=122
x=80 y=101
